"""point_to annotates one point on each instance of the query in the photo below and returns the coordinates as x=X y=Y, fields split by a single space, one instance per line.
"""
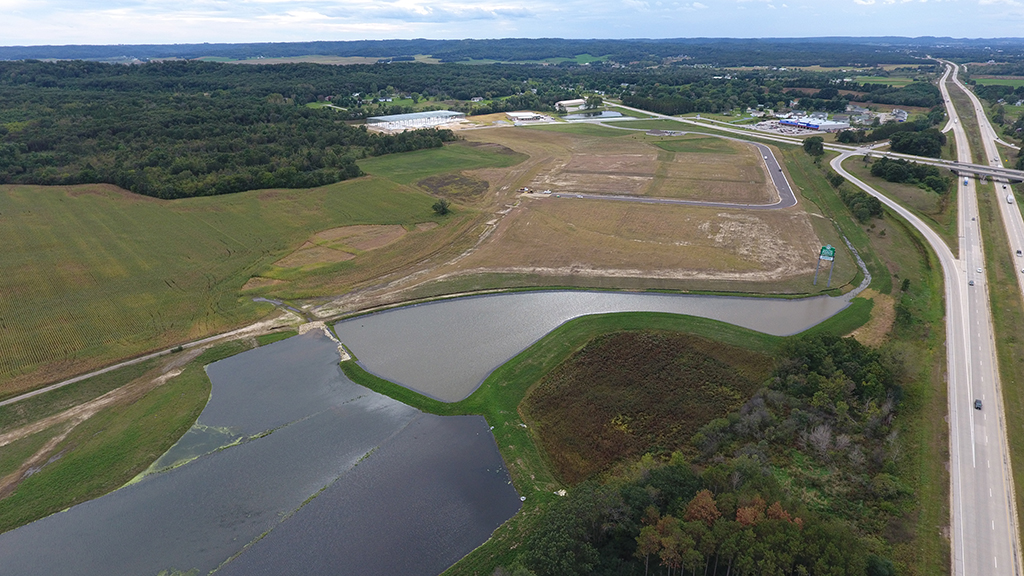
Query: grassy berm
x=629 y=393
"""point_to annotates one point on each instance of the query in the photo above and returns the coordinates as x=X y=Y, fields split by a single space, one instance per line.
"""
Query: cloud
x=699 y=6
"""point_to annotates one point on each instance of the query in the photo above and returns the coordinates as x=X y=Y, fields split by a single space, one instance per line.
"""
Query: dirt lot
x=637 y=164
x=548 y=235
x=531 y=239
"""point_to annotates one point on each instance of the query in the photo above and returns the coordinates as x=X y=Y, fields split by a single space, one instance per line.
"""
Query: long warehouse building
x=414 y=120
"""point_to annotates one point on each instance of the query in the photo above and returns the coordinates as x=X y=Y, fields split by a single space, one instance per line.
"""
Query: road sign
x=828 y=253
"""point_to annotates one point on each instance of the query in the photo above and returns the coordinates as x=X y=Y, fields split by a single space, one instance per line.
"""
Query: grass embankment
x=264 y=339
x=104 y=274
x=109 y=449
x=1007 y=317
x=811 y=185
x=38 y=407
x=939 y=212
x=969 y=120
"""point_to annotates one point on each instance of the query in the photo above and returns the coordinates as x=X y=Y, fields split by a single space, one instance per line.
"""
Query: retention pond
x=294 y=469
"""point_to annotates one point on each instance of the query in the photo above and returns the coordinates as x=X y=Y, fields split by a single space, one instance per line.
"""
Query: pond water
x=283 y=423
x=446 y=349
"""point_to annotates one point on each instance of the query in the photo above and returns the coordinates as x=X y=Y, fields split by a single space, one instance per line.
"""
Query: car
x=977 y=404
x=970 y=282
x=1019 y=253
x=979 y=270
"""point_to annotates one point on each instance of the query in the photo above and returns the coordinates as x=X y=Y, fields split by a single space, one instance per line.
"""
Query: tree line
x=903 y=171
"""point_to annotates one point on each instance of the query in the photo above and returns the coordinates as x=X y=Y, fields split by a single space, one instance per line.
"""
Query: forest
x=84 y=123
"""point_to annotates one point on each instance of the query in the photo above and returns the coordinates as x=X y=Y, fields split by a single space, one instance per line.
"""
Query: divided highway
x=984 y=532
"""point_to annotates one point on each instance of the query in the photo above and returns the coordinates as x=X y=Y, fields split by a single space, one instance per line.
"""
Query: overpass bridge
x=959 y=168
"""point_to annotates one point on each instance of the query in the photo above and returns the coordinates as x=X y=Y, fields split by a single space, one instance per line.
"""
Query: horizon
x=160 y=22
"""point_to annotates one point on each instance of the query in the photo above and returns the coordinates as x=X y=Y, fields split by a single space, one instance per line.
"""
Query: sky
x=36 y=22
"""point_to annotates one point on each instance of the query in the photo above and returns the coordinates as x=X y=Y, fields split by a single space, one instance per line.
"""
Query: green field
x=414 y=166
x=1015 y=82
x=892 y=81
x=103 y=274
x=938 y=212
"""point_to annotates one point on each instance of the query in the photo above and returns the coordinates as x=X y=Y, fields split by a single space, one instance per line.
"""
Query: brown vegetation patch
x=456 y=186
x=424 y=226
x=108 y=190
x=365 y=237
x=883 y=314
x=493 y=147
x=628 y=393
x=257 y=282
x=309 y=254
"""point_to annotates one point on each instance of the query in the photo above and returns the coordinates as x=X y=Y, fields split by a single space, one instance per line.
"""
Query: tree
x=703 y=509
x=442 y=206
x=594 y=101
x=647 y=543
x=815 y=145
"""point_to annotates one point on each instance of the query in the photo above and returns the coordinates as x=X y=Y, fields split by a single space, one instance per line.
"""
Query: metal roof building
x=414 y=120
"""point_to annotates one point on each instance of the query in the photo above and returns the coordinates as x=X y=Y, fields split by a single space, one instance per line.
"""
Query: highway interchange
x=983 y=507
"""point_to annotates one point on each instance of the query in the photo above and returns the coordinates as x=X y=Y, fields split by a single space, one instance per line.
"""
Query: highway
x=983 y=516
x=1002 y=512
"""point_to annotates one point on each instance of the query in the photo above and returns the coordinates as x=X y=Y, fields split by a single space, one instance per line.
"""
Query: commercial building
x=523 y=116
x=815 y=124
x=414 y=120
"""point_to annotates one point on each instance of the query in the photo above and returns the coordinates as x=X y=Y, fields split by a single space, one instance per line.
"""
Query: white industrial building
x=524 y=116
x=414 y=120
x=570 y=105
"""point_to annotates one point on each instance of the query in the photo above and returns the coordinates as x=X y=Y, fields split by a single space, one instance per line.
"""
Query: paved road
x=989 y=542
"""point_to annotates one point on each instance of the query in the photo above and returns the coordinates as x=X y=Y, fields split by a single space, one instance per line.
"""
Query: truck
x=965 y=181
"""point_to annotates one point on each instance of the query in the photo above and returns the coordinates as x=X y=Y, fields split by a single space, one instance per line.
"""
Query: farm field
x=104 y=274
x=108 y=275
x=1015 y=81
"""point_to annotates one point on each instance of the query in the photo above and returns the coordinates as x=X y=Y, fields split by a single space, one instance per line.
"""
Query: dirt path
x=72 y=417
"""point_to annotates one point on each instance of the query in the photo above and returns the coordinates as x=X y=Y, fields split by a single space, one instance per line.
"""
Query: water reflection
x=289 y=425
x=446 y=349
